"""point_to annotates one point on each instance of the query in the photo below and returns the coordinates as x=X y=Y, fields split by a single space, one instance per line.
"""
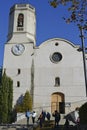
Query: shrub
x=25 y=104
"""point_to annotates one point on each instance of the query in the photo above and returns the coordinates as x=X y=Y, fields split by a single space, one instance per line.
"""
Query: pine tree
x=4 y=83
x=10 y=98
x=6 y=96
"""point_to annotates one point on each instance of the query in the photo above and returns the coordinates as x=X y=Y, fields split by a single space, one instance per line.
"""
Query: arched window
x=19 y=71
x=57 y=81
x=20 y=20
x=18 y=83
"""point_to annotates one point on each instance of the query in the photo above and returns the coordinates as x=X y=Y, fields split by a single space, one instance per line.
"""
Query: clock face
x=18 y=49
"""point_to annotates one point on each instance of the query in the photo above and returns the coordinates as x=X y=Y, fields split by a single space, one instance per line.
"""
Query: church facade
x=52 y=72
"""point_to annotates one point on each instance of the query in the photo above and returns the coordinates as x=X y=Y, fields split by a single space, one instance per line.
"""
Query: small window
x=20 y=21
x=19 y=71
x=57 y=81
x=18 y=83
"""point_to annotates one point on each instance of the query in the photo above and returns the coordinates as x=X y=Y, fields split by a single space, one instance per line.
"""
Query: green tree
x=4 y=83
x=25 y=104
x=10 y=98
x=27 y=101
x=1 y=103
x=0 y=74
x=6 y=95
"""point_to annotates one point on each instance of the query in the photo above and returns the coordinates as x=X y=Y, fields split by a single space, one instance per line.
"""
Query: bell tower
x=22 y=24
x=20 y=47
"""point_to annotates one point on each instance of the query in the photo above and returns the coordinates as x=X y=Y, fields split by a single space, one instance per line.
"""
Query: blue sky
x=50 y=23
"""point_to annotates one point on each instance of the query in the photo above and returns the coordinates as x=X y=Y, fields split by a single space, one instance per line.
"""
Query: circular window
x=56 y=57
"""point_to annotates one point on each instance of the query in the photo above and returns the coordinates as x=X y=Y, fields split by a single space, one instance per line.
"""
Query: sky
x=49 y=23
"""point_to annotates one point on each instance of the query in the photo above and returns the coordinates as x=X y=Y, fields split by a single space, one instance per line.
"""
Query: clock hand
x=17 y=47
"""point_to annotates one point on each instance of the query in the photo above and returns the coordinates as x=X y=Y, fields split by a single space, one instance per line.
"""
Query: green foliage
x=27 y=101
x=6 y=96
x=25 y=104
x=10 y=99
x=83 y=113
x=0 y=74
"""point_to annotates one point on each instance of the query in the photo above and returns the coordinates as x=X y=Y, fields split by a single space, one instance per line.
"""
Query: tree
x=27 y=101
x=25 y=104
x=10 y=98
x=6 y=95
x=77 y=11
x=4 y=98
x=0 y=74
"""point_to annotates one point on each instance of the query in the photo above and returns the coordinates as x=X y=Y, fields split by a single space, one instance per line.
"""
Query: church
x=52 y=72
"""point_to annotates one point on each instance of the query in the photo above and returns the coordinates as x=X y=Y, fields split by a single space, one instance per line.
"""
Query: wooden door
x=56 y=100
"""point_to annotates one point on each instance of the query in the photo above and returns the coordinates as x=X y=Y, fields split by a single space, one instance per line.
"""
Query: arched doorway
x=58 y=102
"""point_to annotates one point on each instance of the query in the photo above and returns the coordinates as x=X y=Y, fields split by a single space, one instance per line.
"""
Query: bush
x=83 y=113
x=25 y=104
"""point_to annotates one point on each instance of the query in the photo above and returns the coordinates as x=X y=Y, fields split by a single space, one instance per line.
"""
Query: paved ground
x=30 y=127
x=21 y=125
x=24 y=127
x=16 y=127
